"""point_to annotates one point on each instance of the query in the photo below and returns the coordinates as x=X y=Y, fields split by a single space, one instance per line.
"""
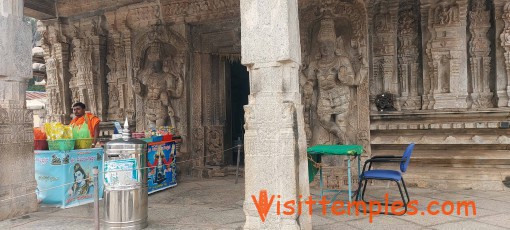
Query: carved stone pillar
x=447 y=53
x=275 y=142
x=505 y=43
x=480 y=61
x=197 y=128
x=427 y=97
x=383 y=21
x=119 y=87
x=500 y=69
x=56 y=55
x=16 y=133
x=408 y=54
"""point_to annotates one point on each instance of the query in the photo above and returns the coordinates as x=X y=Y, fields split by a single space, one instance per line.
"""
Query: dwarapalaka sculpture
x=335 y=75
x=157 y=86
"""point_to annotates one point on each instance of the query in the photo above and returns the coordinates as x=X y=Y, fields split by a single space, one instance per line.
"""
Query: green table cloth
x=315 y=153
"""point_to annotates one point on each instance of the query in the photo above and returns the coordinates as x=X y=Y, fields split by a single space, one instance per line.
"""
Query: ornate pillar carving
x=275 y=142
x=427 y=96
x=479 y=50
x=88 y=66
x=213 y=109
x=16 y=122
x=56 y=55
x=197 y=128
x=446 y=52
x=505 y=43
x=408 y=55
x=119 y=90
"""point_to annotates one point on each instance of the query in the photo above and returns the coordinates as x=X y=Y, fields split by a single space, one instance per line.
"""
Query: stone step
x=458 y=178
x=451 y=156
x=456 y=158
x=401 y=147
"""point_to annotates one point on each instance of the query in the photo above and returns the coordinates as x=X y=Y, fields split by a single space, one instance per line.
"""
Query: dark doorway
x=240 y=89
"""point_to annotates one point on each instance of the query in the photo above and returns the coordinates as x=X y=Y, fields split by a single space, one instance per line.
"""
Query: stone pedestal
x=275 y=143
x=16 y=135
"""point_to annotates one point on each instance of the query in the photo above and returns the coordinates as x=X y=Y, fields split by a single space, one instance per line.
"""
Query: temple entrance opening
x=239 y=90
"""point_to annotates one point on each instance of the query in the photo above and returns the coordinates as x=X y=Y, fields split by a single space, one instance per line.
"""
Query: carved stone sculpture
x=334 y=74
x=157 y=85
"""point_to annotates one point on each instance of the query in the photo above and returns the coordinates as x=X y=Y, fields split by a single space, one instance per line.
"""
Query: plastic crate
x=62 y=145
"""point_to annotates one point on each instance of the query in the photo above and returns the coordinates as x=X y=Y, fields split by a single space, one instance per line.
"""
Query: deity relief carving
x=447 y=14
x=382 y=19
x=214 y=145
x=333 y=75
x=158 y=82
x=113 y=103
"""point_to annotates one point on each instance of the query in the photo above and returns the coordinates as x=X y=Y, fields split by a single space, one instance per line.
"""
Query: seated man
x=89 y=119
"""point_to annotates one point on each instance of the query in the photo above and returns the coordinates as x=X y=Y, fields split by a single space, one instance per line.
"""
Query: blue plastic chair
x=384 y=174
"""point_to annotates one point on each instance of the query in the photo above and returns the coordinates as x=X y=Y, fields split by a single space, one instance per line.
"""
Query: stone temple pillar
x=16 y=122
x=275 y=143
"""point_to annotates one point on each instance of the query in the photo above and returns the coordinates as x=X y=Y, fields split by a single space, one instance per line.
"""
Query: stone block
x=270 y=31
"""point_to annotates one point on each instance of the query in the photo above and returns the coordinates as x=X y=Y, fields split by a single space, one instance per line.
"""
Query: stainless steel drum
x=125 y=178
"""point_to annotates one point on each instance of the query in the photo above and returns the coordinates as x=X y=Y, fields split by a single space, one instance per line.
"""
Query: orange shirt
x=92 y=122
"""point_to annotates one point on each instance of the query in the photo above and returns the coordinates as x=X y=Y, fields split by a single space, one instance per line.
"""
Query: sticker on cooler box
x=120 y=172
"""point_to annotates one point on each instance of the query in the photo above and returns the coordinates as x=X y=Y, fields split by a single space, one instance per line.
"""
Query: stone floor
x=217 y=204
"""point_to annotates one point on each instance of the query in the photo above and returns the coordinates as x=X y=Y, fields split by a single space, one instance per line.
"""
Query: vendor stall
x=64 y=178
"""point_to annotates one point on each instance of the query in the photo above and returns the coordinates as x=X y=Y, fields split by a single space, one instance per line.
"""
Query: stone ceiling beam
x=40 y=9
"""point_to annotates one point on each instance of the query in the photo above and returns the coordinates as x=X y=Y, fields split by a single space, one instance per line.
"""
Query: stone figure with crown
x=333 y=75
x=157 y=83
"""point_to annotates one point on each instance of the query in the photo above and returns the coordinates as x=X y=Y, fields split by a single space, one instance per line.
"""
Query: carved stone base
x=200 y=172
x=482 y=100
x=502 y=98
x=410 y=103
x=450 y=101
